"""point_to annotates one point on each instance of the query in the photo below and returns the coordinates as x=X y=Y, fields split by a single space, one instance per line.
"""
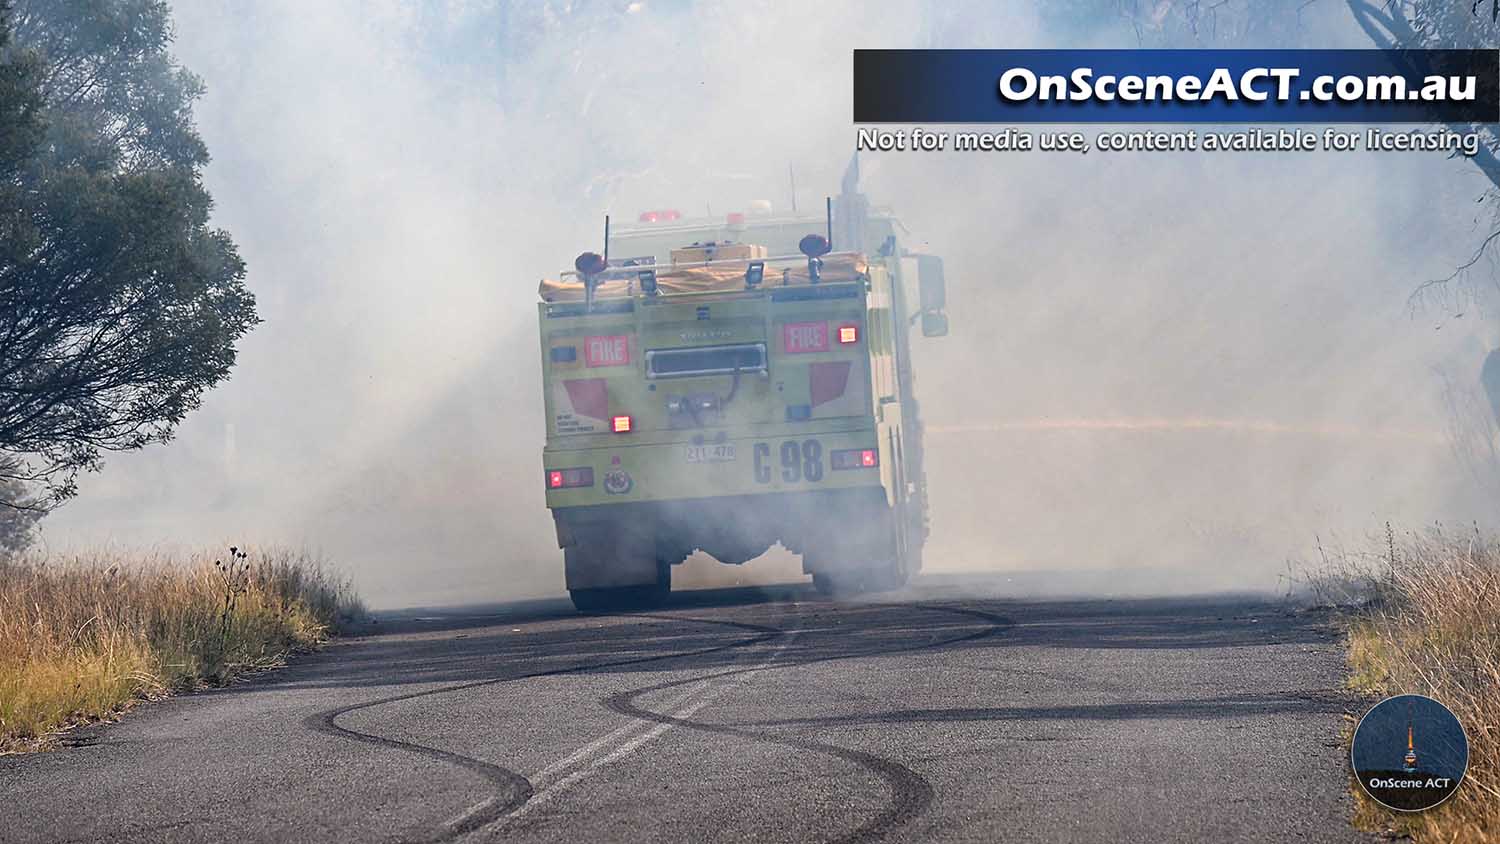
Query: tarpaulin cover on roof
x=838 y=266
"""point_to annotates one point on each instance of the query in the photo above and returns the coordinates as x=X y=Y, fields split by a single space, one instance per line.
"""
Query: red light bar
x=848 y=334
x=664 y=215
x=620 y=424
x=855 y=458
x=568 y=478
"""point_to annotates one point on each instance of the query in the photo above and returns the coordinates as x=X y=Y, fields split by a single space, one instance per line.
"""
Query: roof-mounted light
x=589 y=264
x=814 y=246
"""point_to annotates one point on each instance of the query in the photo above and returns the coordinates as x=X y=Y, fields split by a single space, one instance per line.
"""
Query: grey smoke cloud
x=399 y=176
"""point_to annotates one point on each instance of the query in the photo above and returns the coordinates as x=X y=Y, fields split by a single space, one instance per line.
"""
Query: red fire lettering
x=799 y=337
x=611 y=350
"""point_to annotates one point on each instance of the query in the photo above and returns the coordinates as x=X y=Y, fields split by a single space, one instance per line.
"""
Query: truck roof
x=779 y=233
x=700 y=277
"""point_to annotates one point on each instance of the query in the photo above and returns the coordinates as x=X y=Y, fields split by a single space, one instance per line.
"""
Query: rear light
x=566 y=478
x=664 y=215
x=856 y=458
x=848 y=334
x=620 y=424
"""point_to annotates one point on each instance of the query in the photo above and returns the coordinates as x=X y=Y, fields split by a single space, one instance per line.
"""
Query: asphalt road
x=741 y=715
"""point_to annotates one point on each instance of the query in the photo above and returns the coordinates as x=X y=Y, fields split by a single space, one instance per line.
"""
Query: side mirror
x=933 y=291
x=931 y=286
x=934 y=324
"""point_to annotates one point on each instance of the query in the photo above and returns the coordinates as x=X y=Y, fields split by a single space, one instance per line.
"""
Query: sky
x=1159 y=362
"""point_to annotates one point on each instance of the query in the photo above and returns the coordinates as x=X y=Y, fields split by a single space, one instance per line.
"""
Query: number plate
x=710 y=453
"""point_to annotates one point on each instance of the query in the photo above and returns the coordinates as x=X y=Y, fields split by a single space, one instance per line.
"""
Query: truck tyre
x=625 y=597
x=615 y=599
x=887 y=577
x=841 y=585
x=843 y=570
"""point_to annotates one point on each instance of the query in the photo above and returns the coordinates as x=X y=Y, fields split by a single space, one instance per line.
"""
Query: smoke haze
x=1159 y=362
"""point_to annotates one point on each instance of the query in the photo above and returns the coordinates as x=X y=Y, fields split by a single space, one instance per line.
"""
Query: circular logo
x=1409 y=753
x=617 y=482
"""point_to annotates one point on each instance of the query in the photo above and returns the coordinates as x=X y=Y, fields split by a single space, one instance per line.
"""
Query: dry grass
x=82 y=637
x=1429 y=623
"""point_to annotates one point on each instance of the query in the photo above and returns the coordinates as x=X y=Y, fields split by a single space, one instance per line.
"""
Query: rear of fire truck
x=719 y=390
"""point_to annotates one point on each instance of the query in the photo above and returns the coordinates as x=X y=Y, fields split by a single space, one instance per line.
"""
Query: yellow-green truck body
x=689 y=410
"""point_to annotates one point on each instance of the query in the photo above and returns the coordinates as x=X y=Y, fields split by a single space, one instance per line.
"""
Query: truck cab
x=726 y=384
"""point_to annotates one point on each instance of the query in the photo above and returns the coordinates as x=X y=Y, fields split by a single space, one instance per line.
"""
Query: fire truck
x=726 y=384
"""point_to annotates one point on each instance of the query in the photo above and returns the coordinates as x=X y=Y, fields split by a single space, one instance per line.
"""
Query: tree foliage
x=1432 y=25
x=1190 y=23
x=1428 y=25
x=1390 y=24
x=119 y=304
x=19 y=516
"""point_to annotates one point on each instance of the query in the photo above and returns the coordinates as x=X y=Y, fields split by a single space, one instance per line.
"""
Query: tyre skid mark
x=1235 y=705
x=701 y=694
x=515 y=789
x=545 y=777
x=910 y=792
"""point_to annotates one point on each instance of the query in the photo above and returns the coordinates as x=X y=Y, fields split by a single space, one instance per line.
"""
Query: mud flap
x=611 y=555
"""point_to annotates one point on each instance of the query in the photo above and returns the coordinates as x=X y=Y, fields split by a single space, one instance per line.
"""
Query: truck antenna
x=830 y=223
x=591 y=280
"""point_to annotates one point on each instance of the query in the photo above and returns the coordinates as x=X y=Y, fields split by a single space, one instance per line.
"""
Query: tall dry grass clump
x=83 y=636
x=1429 y=623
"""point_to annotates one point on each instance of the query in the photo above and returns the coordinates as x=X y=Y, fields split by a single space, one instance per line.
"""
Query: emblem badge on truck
x=617 y=482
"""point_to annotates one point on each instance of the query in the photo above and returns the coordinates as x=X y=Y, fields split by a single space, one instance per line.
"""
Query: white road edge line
x=546 y=791
x=544 y=778
x=545 y=794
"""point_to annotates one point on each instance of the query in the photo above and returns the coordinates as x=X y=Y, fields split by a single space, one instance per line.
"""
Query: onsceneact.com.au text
x=1257 y=84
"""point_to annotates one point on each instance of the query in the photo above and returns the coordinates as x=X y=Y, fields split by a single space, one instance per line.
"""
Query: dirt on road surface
x=742 y=715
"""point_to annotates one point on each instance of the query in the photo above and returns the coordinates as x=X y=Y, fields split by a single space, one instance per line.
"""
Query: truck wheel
x=874 y=568
x=887 y=577
x=620 y=598
x=841 y=585
x=593 y=600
